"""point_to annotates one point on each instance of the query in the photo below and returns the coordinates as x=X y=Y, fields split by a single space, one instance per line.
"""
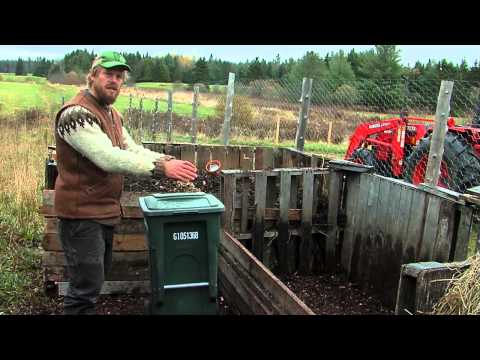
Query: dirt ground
x=332 y=294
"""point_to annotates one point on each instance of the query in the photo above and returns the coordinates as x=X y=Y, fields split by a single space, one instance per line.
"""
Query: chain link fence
x=383 y=123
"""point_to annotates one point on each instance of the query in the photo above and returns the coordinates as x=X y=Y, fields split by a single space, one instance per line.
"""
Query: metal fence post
x=169 y=115
x=439 y=131
x=303 y=117
x=196 y=90
x=228 y=108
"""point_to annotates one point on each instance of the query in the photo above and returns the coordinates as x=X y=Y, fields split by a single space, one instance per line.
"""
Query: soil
x=204 y=182
x=328 y=294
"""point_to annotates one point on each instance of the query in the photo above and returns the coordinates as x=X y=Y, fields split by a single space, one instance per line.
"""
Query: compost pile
x=204 y=182
x=463 y=294
x=332 y=294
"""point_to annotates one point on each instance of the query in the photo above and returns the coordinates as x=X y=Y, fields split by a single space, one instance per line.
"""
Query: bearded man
x=94 y=150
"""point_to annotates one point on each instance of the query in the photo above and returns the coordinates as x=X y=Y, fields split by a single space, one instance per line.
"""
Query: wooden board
x=121 y=242
x=203 y=156
x=306 y=244
x=281 y=300
x=232 y=158
x=463 y=233
x=283 y=226
x=259 y=224
x=188 y=153
x=335 y=183
x=115 y=287
x=246 y=158
x=264 y=158
x=353 y=186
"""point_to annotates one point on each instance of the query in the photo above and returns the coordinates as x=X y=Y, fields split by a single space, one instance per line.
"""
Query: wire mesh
x=383 y=123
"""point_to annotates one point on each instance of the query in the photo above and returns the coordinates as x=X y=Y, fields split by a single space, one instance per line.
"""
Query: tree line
x=382 y=62
x=373 y=78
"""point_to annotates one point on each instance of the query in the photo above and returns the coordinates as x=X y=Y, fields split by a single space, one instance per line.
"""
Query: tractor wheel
x=460 y=167
x=366 y=157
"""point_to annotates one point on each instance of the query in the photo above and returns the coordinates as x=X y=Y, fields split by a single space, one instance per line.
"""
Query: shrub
x=242 y=110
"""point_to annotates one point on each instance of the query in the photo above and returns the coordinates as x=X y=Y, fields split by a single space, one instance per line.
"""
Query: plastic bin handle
x=188 y=285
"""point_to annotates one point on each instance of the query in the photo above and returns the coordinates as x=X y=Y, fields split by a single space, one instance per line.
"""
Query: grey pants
x=88 y=251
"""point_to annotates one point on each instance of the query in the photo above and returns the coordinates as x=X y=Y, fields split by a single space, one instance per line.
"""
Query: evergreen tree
x=255 y=70
x=339 y=67
x=383 y=63
x=200 y=71
x=310 y=66
x=20 y=67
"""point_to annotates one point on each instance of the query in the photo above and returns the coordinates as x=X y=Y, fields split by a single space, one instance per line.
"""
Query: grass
x=21 y=180
x=17 y=94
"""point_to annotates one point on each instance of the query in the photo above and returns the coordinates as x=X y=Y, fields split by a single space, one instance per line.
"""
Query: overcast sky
x=236 y=53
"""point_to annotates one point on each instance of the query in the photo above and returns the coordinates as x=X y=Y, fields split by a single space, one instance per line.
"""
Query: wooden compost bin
x=390 y=223
x=130 y=273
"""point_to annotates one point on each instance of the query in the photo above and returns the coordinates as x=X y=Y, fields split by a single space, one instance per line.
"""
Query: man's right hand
x=179 y=170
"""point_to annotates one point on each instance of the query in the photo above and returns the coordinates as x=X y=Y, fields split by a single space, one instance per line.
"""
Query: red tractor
x=399 y=147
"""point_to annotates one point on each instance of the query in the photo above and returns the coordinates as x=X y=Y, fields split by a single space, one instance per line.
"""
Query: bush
x=242 y=110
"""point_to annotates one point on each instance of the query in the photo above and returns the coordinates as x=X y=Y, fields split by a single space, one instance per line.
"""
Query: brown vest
x=82 y=189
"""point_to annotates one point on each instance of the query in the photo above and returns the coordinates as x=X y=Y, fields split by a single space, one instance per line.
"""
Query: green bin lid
x=180 y=203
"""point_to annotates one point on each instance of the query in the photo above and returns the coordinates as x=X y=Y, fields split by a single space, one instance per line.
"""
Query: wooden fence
x=279 y=214
x=390 y=223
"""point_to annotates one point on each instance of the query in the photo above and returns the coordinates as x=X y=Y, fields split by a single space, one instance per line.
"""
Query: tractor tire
x=460 y=167
x=366 y=157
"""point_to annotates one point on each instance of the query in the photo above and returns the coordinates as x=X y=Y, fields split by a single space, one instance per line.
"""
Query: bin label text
x=185 y=235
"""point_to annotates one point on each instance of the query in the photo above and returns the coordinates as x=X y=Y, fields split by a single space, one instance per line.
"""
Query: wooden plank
x=463 y=233
x=445 y=231
x=368 y=250
x=118 y=272
x=259 y=224
x=333 y=206
x=245 y=184
x=203 y=156
x=276 y=172
x=115 y=287
x=229 y=195
x=430 y=228
x=350 y=166
x=358 y=235
x=135 y=258
x=121 y=242
x=283 y=226
x=188 y=153
x=232 y=157
x=306 y=245
x=353 y=190
x=219 y=153
x=278 y=292
x=389 y=249
x=416 y=221
x=126 y=226
x=264 y=158
x=246 y=158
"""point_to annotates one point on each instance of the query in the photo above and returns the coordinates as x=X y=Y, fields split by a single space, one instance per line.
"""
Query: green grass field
x=17 y=94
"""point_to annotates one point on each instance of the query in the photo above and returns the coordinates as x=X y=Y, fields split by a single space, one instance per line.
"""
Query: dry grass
x=23 y=145
x=463 y=295
x=179 y=96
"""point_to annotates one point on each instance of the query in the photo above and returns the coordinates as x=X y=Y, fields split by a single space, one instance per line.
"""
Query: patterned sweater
x=79 y=128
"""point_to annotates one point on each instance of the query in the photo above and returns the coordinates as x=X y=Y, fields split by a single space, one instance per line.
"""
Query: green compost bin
x=183 y=231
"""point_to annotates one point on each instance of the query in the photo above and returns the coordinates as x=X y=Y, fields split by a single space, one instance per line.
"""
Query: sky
x=409 y=54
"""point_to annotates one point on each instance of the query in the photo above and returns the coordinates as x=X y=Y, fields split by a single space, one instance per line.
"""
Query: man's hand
x=177 y=169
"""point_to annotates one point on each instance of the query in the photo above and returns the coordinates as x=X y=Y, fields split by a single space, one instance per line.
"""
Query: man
x=93 y=151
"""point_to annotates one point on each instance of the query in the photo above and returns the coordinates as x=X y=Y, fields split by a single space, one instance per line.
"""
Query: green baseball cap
x=110 y=59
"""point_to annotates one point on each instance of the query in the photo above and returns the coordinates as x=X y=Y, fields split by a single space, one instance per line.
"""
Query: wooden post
x=194 y=113
x=169 y=115
x=335 y=187
x=228 y=108
x=63 y=100
x=155 y=119
x=439 y=131
x=303 y=117
x=277 y=132
x=329 y=139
